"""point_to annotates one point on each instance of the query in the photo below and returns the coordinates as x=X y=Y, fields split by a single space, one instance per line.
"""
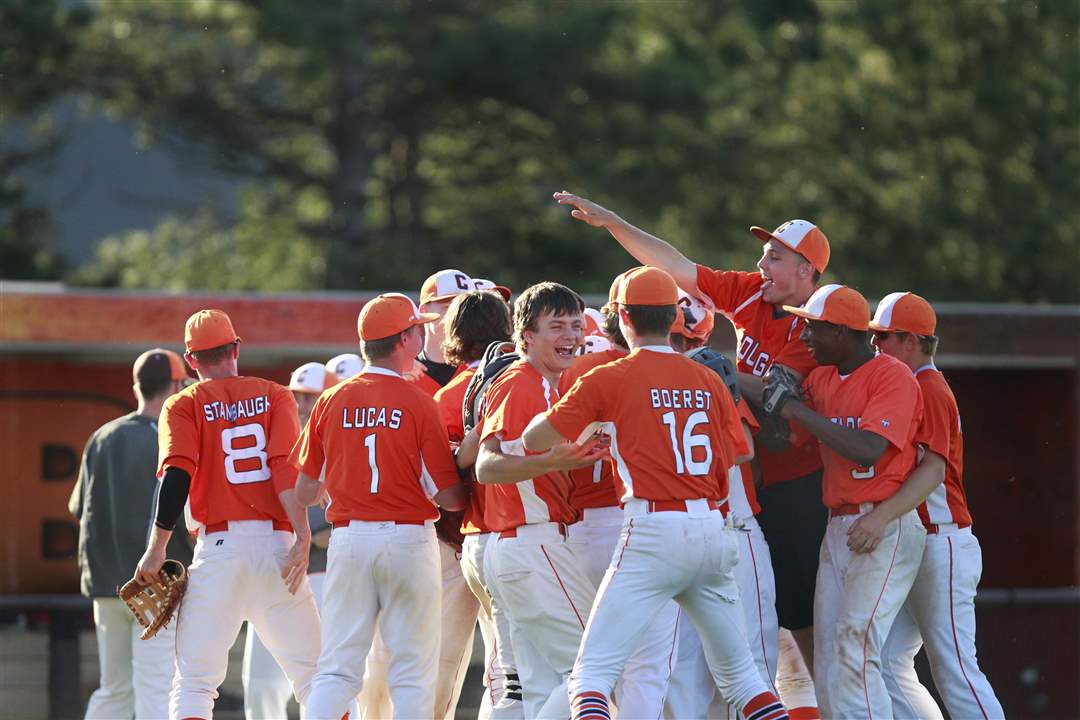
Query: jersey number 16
x=684 y=453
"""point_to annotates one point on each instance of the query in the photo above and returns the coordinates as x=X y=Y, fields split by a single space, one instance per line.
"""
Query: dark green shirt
x=114 y=501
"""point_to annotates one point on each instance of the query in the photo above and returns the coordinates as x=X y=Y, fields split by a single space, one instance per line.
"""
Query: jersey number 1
x=257 y=450
x=369 y=443
x=684 y=458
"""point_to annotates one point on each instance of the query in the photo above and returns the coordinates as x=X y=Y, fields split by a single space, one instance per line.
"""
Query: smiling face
x=551 y=346
x=787 y=277
x=825 y=341
x=305 y=403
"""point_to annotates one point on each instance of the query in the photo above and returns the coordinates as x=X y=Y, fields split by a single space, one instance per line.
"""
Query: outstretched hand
x=586 y=210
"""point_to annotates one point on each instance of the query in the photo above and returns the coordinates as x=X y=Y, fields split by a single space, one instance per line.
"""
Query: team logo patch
x=884 y=423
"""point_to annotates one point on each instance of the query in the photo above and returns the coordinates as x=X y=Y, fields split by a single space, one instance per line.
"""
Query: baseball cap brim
x=800 y=312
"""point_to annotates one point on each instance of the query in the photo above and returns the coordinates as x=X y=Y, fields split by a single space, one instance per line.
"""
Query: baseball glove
x=719 y=364
x=155 y=604
x=782 y=385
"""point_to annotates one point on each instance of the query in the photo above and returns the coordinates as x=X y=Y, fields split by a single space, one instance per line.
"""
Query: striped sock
x=764 y=707
x=590 y=706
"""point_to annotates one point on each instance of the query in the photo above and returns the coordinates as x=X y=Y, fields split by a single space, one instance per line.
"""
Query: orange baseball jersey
x=233 y=436
x=384 y=447
x=674 y=427
x=594 y=486
x=426 y=383
x=449 y=398
x=880 y=396
x=512 y=400
x=766 y=335
x=940 y=431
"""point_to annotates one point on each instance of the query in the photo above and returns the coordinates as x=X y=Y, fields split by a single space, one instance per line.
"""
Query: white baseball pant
x=136 y=674
x=236 y=576
x=643 y=684
x=384 y=573
x=646 y=574
x=538 y=579
x=940 y=612
x=502 y=700
x=693 y=692
x=857 y=599
x=458 y=622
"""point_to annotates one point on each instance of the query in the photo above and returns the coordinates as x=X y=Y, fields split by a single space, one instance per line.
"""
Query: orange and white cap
x=445 y=285
x=836 y=304
x=594 y=322
x=595 y=343
x=694 y=319
x=904 y=312
x=388 y=314
x=312 y=378
x=647 y=286
x=208 y=329
x=485 y=285
x=345 y=365
x=613 y=291
x=801 y=236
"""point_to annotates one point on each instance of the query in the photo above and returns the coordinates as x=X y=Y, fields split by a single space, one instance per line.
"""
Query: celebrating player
x=674 y=433
x=474 y=321
x=940 y=609
x=794 y=256
x=531 y=572
x=865 y=409
x=387 y=463
x=226 y=441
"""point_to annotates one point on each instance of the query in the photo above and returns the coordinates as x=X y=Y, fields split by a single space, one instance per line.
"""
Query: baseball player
x=378 y=442
x=693 y=323
x=345 y=365
x=531 y=572
x=940 y=609
x=792 y=516
x=266 y=689
x=459 y=608
x=111 y=500
x=644 y=681
x=223 y=449
x=865 y=409
x=674 y=432
x=485 y=285
x=474 y=321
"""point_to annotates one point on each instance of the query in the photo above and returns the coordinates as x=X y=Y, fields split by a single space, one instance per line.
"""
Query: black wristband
x=171 y=497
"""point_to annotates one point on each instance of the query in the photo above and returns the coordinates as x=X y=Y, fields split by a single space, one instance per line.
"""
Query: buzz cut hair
x=213 y=356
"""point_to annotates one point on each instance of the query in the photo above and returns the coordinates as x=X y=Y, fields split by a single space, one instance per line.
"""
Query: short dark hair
x=373 y=350
x=215 y=355
x=611 y=324
x=928 y=344
x=651 y=319
x=816 y=277
x=541 y=298
x=473 y=321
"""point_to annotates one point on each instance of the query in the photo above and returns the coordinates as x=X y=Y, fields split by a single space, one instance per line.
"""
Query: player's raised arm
x=648 y=249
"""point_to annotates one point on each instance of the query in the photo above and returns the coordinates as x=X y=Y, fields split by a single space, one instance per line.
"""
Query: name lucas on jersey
x=231 y=412
x=680 y=399
x=369 y=417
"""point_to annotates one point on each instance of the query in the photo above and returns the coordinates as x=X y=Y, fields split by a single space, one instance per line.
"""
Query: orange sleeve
x=284 y=430
x=449 y=401
x=583 y=404
x=178 y=435
x=894 y=404
x=307 y=454
x=726 y=289
x=507 y=413
x=438 y=463
x=935 y=430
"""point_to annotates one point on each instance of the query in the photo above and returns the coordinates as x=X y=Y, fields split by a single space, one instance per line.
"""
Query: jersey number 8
x=256 y=450
x=684 y=458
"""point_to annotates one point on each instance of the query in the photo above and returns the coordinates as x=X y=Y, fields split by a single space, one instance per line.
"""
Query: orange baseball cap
x=484 y=285
x=647 y=286
x=445 y=285
x=208 y=329
x=156 y=366
x=801 y=236
x=904 y=312
x=614 y=290
x=836 y=304
x=312 y=378
x=388 y=314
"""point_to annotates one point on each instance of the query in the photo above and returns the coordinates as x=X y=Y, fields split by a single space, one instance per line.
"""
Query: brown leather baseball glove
x=155 y=604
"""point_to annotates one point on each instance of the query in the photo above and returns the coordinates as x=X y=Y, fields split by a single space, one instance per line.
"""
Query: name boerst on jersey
x=231 y=412
x=677 y=399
